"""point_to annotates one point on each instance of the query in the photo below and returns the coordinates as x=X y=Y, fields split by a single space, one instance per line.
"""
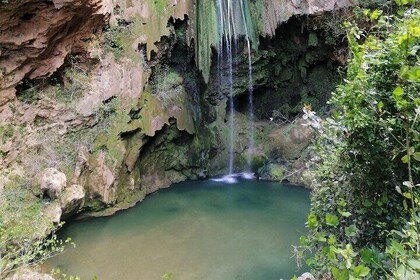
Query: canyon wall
x=115 y=94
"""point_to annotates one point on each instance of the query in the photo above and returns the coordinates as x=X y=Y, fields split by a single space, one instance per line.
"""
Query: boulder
x=49 y=181
x=272 y=172
x=72 y=200
x=28 y=274
x=100 y=179
x=289 y=141
x=52 y=212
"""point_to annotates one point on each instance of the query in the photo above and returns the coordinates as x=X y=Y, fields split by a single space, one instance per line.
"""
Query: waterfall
x=227 y=33
x=232 y=23
x=250 y=96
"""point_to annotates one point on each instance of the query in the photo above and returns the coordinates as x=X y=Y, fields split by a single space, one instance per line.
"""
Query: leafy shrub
x=364 y=221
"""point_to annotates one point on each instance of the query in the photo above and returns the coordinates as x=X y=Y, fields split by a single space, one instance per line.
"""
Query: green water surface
x=201 y=230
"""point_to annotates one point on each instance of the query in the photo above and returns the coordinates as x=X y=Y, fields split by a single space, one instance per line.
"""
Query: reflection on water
x=203 y=230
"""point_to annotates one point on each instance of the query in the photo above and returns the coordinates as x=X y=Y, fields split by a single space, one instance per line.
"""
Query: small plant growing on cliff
x=166 y=84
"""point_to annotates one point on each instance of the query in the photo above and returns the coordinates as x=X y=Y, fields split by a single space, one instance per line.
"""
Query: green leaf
x=375 y=14
x=404 y=159
x=407 y=195
x=303 y=241
x=344 y=213
x=340 y=274
x=405 y=204
x=411 y=151
x=361 y=271
x=330 y=252
x=166 y=276
x=320 y=236
x=380 y=105
x=398 y=92
x=312 y=221
x=341 y=202
x=350 y=231
x=401 y=2
x=367 y=203
x=413 y=263
x=369 y=256
x=398 y=247
x=331 y=220
x=416 y=156
x=332 y=240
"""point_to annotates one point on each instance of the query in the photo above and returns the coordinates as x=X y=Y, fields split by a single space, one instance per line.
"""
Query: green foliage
x=58 y=275
x=6 y=132
x=23 y=230
x=113 y=41
x=166 y=276
x=166 y=84
x=29 y=95
x=75 y=81
x=119 y=39
x=207 y=35
x=364 y=221
x=209 y=32
x=121 y=117
x=312 y=40
x=160 y=6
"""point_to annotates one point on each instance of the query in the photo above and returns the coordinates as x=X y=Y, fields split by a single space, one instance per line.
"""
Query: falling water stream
x=250 y=96
x=229 y=28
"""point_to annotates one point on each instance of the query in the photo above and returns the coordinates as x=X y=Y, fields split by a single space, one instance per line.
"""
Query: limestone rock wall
x=36 y=36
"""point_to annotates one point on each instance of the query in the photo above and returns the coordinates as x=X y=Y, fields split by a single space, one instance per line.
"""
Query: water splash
x=233 y=177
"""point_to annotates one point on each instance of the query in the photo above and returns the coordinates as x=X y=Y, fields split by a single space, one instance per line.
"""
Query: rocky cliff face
x=36 y=37
x=110 y=93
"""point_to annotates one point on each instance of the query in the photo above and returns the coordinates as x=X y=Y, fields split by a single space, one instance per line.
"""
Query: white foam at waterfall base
x=248 y=175
x=233 y=178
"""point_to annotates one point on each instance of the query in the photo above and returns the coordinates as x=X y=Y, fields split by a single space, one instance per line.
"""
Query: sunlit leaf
x=361 y=271
x=344 y=213
x=312 y=221
x=398 y=92
x=380 y=105
x=375 y=14
x=331 y=220
x=407 y=195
